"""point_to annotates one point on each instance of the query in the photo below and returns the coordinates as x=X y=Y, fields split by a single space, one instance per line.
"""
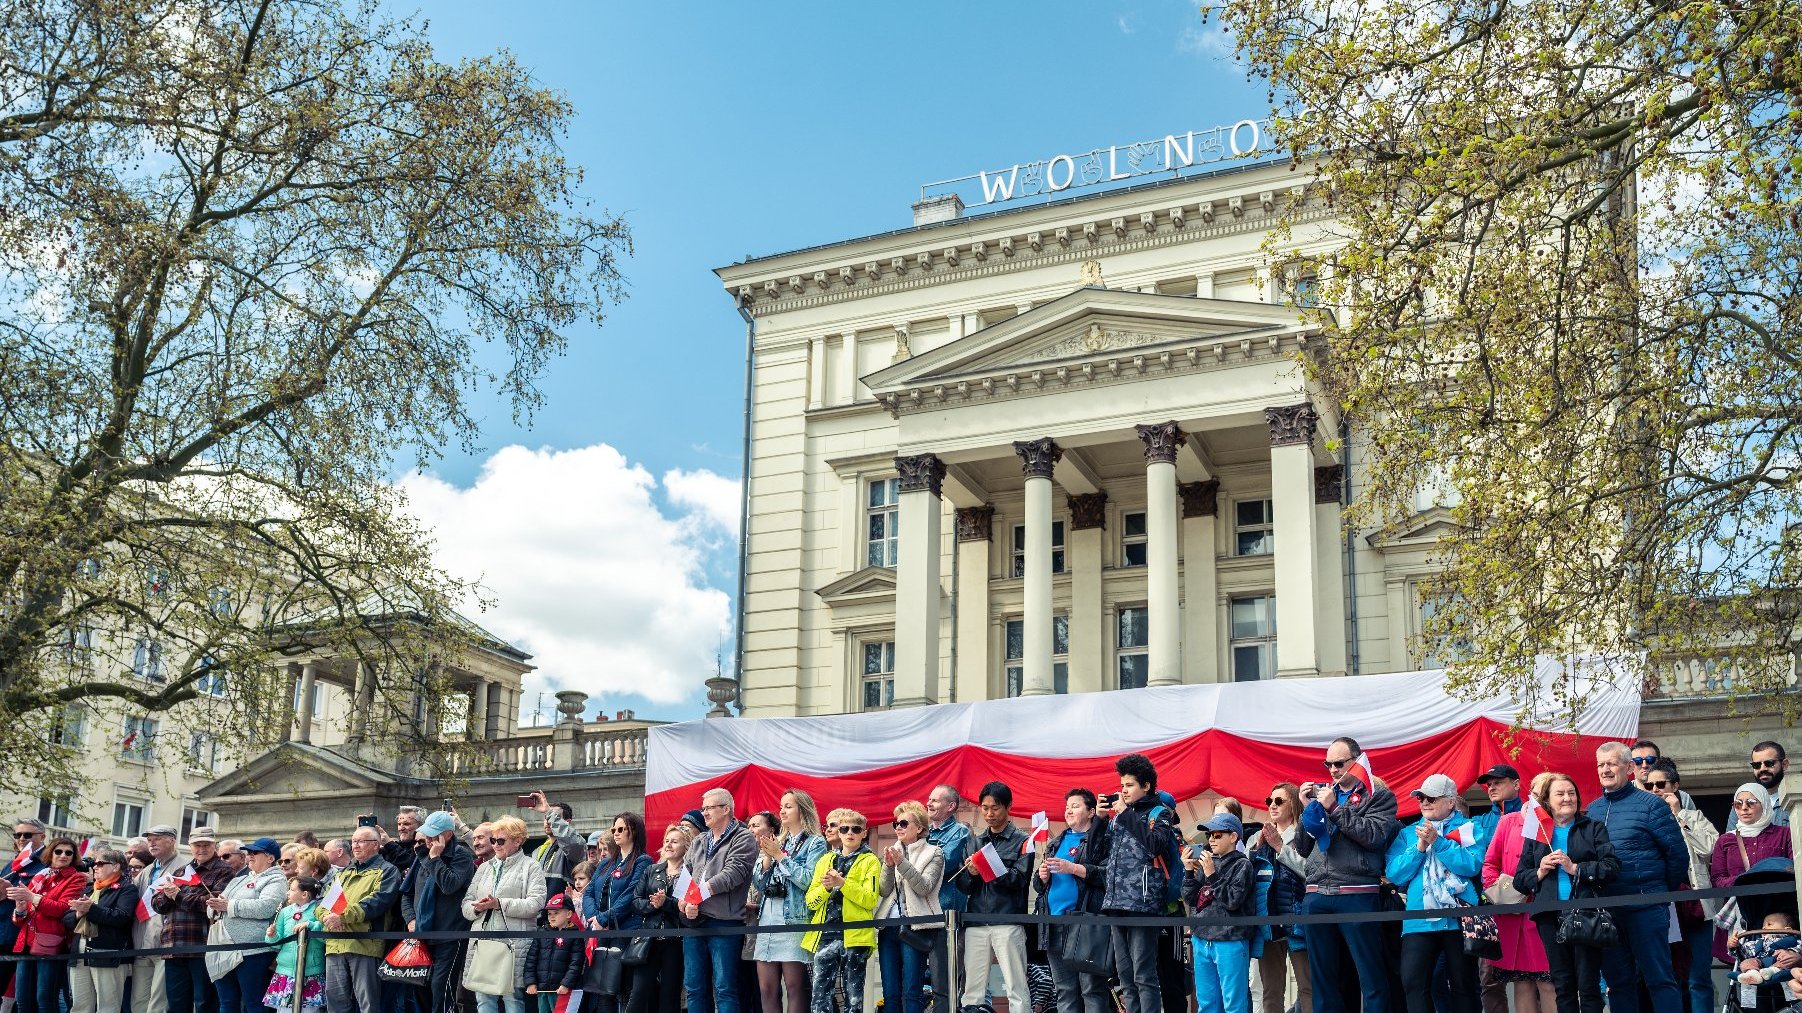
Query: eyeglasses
x=1758 y=765
x=714 y=807
x=1747 y=803
x=847 y=828
x=104 y=862
x=62 y=853
x=902 y=824
x=1335 y=764
x=1658 y=785
x=620 y=830
x=287 y=861
x=1644 y=761
x=22 y=835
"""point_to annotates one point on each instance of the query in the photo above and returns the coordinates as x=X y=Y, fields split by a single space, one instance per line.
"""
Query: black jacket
x=1006 y=895
x=1092 y=856
x=113 y=915
x=447 y=877
x=554 y=962
x=1228 y=892
x=1588 y=846
x=655 y=878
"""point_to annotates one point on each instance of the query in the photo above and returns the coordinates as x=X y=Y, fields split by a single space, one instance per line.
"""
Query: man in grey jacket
x=563 y=848
x=720 y=862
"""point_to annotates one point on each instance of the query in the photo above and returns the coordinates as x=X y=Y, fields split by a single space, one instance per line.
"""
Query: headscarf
x=1756 y=827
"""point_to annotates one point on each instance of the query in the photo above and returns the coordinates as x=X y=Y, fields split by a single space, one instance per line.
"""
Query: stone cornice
x=937 y=260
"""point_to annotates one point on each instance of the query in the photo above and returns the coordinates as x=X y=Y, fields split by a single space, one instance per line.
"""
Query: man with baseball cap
x=147 y=979
x=1502 y=784
x=431 y=897
x=186 y=985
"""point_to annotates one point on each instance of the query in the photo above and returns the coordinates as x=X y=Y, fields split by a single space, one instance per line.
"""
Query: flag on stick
x=691 y=890
x=334 y=899
x=1464 y=835
x=1041 y=832
x=1533 y=824
x=22 y=859
x=989 y=864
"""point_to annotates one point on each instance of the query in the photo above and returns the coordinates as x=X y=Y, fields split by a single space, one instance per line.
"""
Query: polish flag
x=1041 y=832
x=22 y=859
x=144 y=912
x=188 y=877
x=989 y=864
x=334 y=899
x=691 y=890
x=1533 y=824
x=1464 y=835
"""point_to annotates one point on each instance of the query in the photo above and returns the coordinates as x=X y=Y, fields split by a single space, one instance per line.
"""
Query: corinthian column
x=1161 y=441
x=1037 y=459
x=917 y=582
x=1292 y=506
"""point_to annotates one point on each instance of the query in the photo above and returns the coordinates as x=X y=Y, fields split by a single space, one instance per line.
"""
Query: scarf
x=1439 y=886
x=1757 y=826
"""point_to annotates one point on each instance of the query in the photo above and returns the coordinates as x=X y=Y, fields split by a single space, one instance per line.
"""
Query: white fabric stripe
x=1378 y=710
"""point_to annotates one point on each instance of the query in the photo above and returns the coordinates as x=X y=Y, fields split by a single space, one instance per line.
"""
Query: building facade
x=1072 y=447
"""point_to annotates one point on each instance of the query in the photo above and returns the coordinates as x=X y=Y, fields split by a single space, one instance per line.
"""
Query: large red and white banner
x=1235 y=740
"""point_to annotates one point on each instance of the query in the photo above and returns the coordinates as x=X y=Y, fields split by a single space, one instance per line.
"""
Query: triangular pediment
x=1423 y=528
x=1090 y=325
x=869 y=582
x=294 y=769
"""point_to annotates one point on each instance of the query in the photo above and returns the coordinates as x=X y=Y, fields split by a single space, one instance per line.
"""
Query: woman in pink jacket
x=1523 y=955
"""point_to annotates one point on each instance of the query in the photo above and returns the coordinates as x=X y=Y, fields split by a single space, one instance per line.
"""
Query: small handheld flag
x=1464 y=835
x=1041 y=832
x=188 y=877
x=22 y=859
x=691 y=890
x=988 y=863
x=334 y=900
x=1533 y=824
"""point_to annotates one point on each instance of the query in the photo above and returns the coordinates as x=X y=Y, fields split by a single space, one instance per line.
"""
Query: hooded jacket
x=859 y=895
x=446 y=878
x=1006 y=894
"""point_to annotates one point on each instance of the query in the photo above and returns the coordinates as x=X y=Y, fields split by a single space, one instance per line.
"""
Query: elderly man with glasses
x=1653 y=859
x=187 y=988
x=721 y=858
x=27 y=833
x=371 y=886
x=1347 y=823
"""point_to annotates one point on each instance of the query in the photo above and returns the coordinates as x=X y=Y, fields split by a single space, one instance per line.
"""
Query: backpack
x=1166 y=851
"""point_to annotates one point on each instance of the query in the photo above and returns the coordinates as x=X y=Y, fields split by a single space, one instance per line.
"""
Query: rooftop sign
x=1171 y=154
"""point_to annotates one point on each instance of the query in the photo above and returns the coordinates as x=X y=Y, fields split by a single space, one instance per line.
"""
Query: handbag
x=1482 y=937
x=910 y=937
x=636 y=951
x=606 y=968
x=409 y=962
x=1591 y=926
x=1504 y=891
x=1087 y=946
x=220 y=963
x=489 y=968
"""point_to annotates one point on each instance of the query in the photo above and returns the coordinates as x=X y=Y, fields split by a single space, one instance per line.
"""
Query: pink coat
x=1726 y=865
x=1521 y=948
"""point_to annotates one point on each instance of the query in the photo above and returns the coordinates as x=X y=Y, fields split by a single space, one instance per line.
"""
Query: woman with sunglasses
x=845 y=889
x=1275 y=845
x=913 y=869
x=104 y=918
x=782 y=873
x=1746 y=843
x=38 y=910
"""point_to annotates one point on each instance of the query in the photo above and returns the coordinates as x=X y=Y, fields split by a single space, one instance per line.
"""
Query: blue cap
x=265 y=845
x=438 y=823
x=1225 y=821
x=694 y=817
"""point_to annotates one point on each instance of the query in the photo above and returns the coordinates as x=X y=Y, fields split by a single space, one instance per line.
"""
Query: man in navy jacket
x=1654 y=859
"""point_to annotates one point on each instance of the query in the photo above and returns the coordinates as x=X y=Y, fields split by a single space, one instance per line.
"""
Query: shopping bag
x=408 y=962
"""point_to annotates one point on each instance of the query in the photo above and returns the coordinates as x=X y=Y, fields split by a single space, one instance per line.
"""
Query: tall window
x=1132 y=539
x=318 y=691
x=1016 y=655
x=191 y=818
x=139 y=743
x=78 y=643
x=878 y=674
x=1443 y=649
x=128 y=819
x=884 y=516
x=1307 y=291
x=156 y=581
x=70 y=729
x=1057 y=549
x=1254 y=638
x=56 y=812
x=203 y=751
x=147 y=659
x=1132 y=638
x=219 y=603
x=1254 y=528
x=213 y=682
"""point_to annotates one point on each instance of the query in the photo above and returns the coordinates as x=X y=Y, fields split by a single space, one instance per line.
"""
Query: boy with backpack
x=1144 y=875
x=1221 y=882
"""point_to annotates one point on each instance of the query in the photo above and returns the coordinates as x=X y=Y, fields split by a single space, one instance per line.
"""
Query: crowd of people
x=812 y=887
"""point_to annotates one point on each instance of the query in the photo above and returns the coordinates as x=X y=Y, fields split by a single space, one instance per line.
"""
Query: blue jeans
x=242 y=990
x=1329 y=945
x=1222 y=976
x=903 y=973
x=1700 y=941
x=711 y=959
x=493 y=1003
x=39 y=985
x=1643 y=957
x=187 y=988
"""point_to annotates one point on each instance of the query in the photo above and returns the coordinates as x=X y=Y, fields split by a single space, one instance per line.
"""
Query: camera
x=1109 y=800
x=366 y=820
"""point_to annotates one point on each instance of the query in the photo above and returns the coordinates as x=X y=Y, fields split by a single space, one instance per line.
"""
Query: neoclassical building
x=1071 y=447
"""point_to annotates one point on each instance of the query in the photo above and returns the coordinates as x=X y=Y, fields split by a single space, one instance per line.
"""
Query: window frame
x=1016 y=560
x=124 y=806
x=890 y=510
x=1013 y=669
x=885 y=646
x=69 y=729
x=190 y=819
x=147 y=662
x=142 y=726
x=52 y=806
x=1264 y=643
x=202 y=753
x=1140 y=541
x=1124 y=651
x=1267 y=529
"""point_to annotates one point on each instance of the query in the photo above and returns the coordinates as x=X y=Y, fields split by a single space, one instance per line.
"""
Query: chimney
x=943 y=207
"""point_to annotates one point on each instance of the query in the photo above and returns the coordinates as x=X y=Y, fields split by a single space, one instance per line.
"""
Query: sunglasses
x=1335 y=764
x=1755 y=765
x=62 y=853
x=847 y=828
x=1747 y=803
x=1644 y=761
x=1214 y=835
x=1658 y=785
x=902 y=824
x=18 y=836
x=1275 y=801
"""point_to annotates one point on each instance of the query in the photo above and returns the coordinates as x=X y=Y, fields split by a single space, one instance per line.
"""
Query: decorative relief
x=1161 y=441
x=1088 y=510
x=1327 y=479
x=1091 y=274
x=921 y=472
x=901 y=349
x=1096 y=339
x=1291 y=424
x=976 y=524
x=1038 y=457
x=1200 y=499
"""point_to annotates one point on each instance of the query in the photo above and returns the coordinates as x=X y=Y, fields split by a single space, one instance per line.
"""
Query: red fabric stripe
x=1231 y=765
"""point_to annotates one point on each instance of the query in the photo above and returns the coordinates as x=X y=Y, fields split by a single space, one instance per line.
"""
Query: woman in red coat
x=1523 y=961
x=1753 y=840
x=40 y=906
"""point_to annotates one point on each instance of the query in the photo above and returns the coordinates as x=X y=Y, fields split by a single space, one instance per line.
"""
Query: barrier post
x=946 y=990
x=300 y=966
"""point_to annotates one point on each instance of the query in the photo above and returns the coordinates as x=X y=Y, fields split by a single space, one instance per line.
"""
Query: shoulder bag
x=911 y=937
x=220 y=963
x=1591 y=926
x=1087 y=946
x=1482 y=938
x=489 y=970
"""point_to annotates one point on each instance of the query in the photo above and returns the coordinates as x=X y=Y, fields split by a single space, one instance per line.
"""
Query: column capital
x=1200 y=499
x=1291 y=424
x=1327 y=479
x=976 y=524
x=1038 y=457
x=921 y=472
x=1161 y=441
x=1088 y=510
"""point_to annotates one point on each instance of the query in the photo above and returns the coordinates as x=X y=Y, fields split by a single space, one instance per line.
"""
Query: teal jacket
x=1405 y=863
x=288 y=922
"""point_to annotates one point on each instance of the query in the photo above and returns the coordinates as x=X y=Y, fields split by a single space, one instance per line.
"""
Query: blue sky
x=720 y=131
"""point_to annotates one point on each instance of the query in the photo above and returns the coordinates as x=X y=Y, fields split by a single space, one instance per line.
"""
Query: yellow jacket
x=860 y=897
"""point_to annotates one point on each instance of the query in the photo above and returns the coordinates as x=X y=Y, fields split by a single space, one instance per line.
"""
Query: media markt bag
x=408 y=962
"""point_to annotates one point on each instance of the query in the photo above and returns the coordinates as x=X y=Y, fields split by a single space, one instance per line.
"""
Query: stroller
x=1764 y=998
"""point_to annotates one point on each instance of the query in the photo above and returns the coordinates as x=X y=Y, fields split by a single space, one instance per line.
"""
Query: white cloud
x=606 y=591
x=1204 y=41
x=713 y=498
x=1124 y=24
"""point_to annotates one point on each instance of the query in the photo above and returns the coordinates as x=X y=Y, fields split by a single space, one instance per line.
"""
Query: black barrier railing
x=945 y=971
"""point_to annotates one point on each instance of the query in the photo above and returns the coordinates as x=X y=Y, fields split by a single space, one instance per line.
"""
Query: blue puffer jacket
x=1646 y=838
